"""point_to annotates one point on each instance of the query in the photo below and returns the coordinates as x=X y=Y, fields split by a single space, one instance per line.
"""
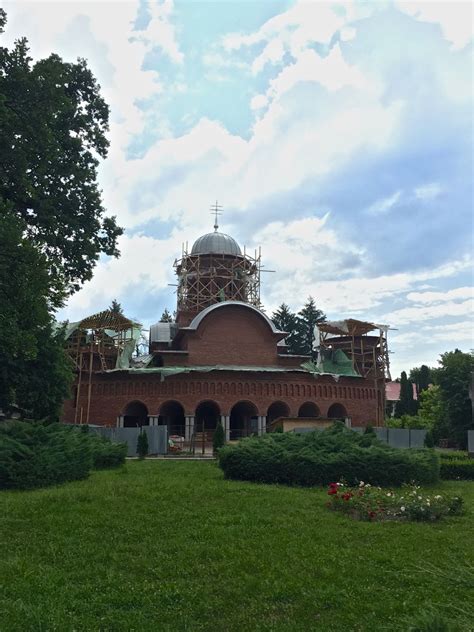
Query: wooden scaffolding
x=205 y=279
x=366 y=345
x=94 y=346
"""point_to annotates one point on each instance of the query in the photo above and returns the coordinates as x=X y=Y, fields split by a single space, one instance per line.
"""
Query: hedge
x=455 y=469
x=37 y=455
x=323 y=457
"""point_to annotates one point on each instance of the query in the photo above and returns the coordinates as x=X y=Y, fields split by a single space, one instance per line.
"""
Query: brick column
x=189 y=429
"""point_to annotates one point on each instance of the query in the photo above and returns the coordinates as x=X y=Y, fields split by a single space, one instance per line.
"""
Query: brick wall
x=112 y=392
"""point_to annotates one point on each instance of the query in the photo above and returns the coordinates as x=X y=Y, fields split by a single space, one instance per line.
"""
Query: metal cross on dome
x=216 y=210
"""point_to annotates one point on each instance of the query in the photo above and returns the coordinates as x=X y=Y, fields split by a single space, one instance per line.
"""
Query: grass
x=171 y=545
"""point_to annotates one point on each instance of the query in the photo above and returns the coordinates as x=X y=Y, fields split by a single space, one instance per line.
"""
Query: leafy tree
x=166 y=317
x=432 y=413
x=454 y=378
x=35 y=372
x=309 y=316
x=218 y=439
x=421 y=377
x=53 y=122
x=286 y=320
x=142 y=444
x=116 y=307
x=406 y=405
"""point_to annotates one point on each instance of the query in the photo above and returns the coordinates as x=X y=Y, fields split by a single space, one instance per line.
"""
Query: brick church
x=223 y=359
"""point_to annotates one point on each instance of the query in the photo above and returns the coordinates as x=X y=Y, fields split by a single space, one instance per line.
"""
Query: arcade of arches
x=244 y=419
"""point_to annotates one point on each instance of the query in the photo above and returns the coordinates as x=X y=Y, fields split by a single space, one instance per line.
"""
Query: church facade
x=222 y=360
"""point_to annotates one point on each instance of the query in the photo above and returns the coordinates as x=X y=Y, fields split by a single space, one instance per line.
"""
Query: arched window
x=243 y=420
x=308 y=409
x=337 y=411
x=135 y=415
x=207 y=416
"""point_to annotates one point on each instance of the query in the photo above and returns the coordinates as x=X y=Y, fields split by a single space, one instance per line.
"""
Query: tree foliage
x=406 y=404
x=454 y=378
x=421 y=377
x=309 y=317
x=300 y=326
x=35 y=372
x=166 y=317
x=142 y=444
x=116 y=307
x=286 y=320
x=218 y=438
x=53 y=122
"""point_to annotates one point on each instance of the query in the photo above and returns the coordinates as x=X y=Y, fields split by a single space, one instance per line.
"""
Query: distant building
x=223 y=359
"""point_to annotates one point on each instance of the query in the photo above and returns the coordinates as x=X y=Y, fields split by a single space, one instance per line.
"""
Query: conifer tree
x=288 y=321
x=421 y=377
x=116 y=307
x=142 y=444
x=406 y=405
x=166 y=317
x=218 y=440
x=308 y=317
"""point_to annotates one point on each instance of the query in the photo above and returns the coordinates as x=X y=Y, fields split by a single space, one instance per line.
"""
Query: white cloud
x=332 y=72
x=455 y=18
x=460 y=331
x=258 y=102
x=428 y=191
x=430 y=298
x=145 y=263
x=384 y=205
x=423 y=313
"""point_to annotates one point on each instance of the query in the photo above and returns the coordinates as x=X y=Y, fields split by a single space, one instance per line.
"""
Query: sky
x=336 y=135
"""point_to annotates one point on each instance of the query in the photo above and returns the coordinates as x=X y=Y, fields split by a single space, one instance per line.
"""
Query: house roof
x=392 y=391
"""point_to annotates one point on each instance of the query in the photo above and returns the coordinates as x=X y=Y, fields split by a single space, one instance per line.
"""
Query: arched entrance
x=135 y=415
x=243 y=420
x=207 y=416
x=308 y=409
x=277 y=409
x=337 y=411
x=172 y=415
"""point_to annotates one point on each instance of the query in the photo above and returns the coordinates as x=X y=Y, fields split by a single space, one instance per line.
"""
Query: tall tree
x=35 y=372
x=454 y=377
x=286 y=320
x=116 y=307
x=53 y=122
x=421 y=377
x=309 y=317
x=166 y=317
x=406 y=405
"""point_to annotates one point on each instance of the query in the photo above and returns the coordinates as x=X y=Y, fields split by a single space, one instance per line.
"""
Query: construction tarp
x=333 y=363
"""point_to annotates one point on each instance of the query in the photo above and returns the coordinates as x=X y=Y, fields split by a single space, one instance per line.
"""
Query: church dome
x=216 y=243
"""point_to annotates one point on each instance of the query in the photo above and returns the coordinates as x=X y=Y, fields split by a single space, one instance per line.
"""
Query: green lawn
x=166 y=545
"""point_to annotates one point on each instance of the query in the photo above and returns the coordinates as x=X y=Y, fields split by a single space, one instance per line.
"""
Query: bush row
x=455 y=469
x=320 y=458
x=36 y=455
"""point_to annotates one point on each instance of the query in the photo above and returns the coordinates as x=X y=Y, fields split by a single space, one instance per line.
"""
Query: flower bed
x=374 y=503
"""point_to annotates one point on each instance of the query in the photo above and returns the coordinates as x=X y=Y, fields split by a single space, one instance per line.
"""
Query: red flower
x=372 y=514
x=332 y=491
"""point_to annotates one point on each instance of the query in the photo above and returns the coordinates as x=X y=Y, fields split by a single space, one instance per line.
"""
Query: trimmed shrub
x=34 y=455
x=142 y=444
x=105 y=453
x=457 y=469
x=319 y=458
x=38 y=455
x=218 y=440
